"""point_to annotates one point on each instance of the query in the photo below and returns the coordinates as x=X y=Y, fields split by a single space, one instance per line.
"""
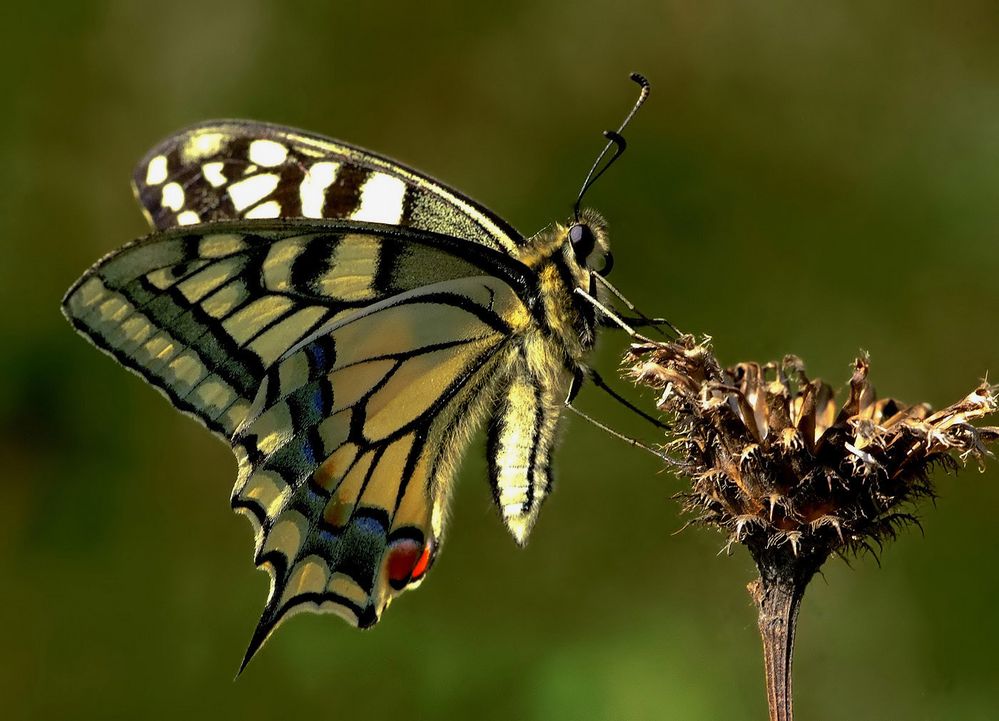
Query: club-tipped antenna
x=616 y=141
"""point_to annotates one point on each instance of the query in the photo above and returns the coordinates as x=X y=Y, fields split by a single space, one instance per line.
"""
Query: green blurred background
x=807 y=177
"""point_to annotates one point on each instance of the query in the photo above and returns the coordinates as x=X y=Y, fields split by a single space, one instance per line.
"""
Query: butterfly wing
x=238 y=169
x=201 y=313
x=347 y=365
x=347 y=458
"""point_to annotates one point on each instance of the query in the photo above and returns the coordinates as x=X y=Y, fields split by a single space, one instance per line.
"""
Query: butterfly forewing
x=202 y=312
x=234 y=169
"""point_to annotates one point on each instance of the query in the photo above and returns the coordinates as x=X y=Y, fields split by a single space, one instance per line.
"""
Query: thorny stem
x=778 y=593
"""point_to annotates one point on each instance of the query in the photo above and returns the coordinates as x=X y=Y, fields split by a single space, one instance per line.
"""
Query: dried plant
x=781 y=469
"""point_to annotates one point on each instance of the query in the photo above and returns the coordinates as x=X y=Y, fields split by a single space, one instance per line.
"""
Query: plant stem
x=778 y=593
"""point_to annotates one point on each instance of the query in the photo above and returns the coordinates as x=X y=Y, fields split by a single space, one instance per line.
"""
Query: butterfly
x=346 y=323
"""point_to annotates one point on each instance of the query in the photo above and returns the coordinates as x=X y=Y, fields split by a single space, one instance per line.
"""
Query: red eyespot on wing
x=423 y=563
x=403 y=557
x=407 y=561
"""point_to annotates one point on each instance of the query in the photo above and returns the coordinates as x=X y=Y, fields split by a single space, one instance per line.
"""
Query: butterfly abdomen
x=524 y=418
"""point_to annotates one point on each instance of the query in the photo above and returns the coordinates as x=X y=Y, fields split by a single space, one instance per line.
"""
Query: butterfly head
x=586 y=242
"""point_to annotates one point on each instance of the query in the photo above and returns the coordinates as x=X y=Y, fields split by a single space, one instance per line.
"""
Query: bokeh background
x=807 y=177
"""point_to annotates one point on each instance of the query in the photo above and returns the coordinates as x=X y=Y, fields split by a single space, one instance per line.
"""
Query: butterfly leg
x=574 y=386
x=600 y=383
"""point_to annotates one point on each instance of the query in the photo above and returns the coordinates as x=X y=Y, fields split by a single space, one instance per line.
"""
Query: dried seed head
x=776 y=463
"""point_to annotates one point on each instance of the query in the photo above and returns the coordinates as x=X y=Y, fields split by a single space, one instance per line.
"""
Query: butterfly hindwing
x=232 y=169
x=347 y=457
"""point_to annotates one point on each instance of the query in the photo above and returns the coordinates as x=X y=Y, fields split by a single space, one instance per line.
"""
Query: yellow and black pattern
x=346 y=364
x=233 y=169
x=201 y=312
x=345 y=323
x=347 y=457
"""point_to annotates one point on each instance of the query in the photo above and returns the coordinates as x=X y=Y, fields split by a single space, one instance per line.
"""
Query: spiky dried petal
x=774 y=462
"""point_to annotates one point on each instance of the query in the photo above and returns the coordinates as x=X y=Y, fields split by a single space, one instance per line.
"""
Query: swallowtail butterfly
x=345 y=323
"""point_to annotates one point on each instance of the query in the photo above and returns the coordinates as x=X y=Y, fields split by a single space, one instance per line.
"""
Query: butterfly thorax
x=560 y=270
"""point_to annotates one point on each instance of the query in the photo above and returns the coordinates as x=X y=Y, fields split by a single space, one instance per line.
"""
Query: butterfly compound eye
x=583 y=241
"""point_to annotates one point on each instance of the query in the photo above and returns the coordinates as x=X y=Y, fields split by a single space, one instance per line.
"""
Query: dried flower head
x=774 y=461
x=779 y=467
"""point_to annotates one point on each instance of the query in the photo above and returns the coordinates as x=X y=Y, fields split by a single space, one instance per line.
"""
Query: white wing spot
x=381 y=200
x=247 y=192
x=312 y=191
x=213 y=174
x=267 y=153
x=188 y=217
x=201 y=145
x=173 y=196
x=156 y=172
x=270 y=209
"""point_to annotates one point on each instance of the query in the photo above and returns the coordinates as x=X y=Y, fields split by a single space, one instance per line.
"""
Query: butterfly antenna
x=616 y=141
